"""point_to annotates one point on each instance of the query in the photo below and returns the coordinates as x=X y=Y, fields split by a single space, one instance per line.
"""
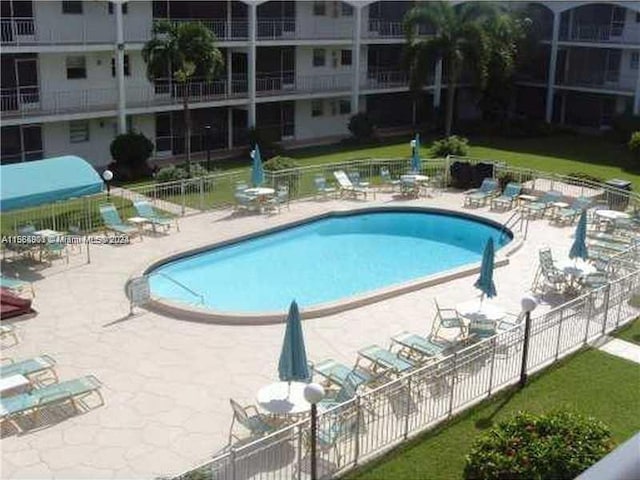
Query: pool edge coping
x=183 y=311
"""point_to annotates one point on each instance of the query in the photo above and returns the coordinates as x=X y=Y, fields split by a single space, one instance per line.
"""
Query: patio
x=167 y=382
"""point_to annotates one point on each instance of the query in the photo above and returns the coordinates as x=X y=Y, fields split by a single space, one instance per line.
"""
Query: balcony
x=283 y=83
x=236 y=30
x=598 y=34
x=29 y=101
x=385 y=79
x=290 y=28
x=607 y=81
x=384 y=29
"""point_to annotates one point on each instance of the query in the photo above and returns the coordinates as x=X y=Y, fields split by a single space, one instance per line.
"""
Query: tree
x=183 y=51
x=460 y=40
x=131 y=151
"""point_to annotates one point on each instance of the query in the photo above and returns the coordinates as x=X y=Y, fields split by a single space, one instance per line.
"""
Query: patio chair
x=387 y=181
x=251 y=419
x=356 y=180
x=548 y=276
x=146 y=210
x=420 y=348
x=281 y=198
x=8 y=331
x=510 y=321
x=347 y=188
x=322 y=188
x=507 y=200
x=568 y=215
x=384 y=361
x=339 y=373
x=39 y=370
x=341 y=426
x=244 y=201
x=479 y=196
x=346 y=392
x=596 y=280
x=539 y=208
x=34 y=402
x=16 y=285
x=409 y=187
x=481 y=329
x=112 y=221
x=447 y=318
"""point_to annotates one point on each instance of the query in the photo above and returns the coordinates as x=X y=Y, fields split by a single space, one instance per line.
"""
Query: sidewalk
x=621 y=348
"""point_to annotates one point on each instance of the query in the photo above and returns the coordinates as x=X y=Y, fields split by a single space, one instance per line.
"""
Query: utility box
x=617 y=199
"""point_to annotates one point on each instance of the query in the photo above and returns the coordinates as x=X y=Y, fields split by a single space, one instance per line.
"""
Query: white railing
x=223 y=30
x=609 y=80
x=384 y=29
x=26 y=31
x=381 y=79
x=283 y=82
x=597 y=34
x=373 y=422
x=276 y=28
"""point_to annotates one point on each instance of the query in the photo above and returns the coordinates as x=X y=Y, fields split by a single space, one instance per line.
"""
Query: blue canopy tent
x=29 y=184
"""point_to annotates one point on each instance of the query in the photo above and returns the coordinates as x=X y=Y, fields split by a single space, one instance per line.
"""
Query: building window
x=347 y=10
x=316 y=108
x=76 y=67
x=637 y=17
x=345 y=107
x=126 y=66
x=635 y=60
x=319 y=9
x=78 y=131
x=318 y=57
x=72 y=7
x=345 y=57
x=125 y=8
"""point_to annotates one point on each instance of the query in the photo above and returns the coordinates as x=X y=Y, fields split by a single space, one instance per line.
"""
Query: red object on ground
x=13 y=305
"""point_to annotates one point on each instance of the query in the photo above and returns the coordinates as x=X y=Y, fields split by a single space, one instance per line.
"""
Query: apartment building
x=588 y=68
x=72 y=74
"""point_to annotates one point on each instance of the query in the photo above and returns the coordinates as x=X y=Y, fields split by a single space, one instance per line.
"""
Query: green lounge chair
x=251 y=419
x=18 y=286
x=112 y=221
x=507 y=200
x=35 y=368
x=339 y=373
x=419 y=346
x=478 y=197
x=384 y=360
x=569 y=215
x=539 y=208
x=146 y=210
x=32 y=403
x=346 y=393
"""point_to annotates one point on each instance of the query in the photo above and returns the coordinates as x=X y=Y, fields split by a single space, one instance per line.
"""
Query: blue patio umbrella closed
x=485 y=281
x=293 y=357
x=579 y=247
x=257 y=173
x=415 y=158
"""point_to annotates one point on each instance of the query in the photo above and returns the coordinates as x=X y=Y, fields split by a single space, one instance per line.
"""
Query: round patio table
x=481 y=311
x=283 y=398
x=260 y=191
x=611 y=214
x=576 y=268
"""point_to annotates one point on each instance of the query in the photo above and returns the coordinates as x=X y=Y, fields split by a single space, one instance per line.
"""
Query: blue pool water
x=325 y=260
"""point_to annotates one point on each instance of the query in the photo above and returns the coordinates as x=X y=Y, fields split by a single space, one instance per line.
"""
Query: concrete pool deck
x=167 y=382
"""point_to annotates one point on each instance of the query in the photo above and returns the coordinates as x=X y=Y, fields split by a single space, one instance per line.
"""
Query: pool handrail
x=180 y=284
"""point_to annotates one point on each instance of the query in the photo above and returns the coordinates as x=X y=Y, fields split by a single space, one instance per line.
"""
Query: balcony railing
x=285 y=28
x=223 y=30
x=381 y=79
x=287 y=82
x=276 y=28
x=603 y=81
x=384 y=29
x=596 y=33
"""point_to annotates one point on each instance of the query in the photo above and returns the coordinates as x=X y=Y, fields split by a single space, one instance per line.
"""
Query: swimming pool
x=324 y=261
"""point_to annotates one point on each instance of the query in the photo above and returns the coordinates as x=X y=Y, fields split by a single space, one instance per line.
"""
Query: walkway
x=621 y=348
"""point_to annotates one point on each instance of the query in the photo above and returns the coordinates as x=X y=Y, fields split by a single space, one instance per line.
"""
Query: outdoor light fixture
x=252 y=154
x=413 y=143
x=528 y=304
x=107 y=176
x=314 y=393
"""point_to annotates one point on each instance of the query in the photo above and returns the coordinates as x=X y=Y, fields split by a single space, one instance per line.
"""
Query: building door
x=164 y=134
x=612 y=66
x=287 y=120
x=27 y=81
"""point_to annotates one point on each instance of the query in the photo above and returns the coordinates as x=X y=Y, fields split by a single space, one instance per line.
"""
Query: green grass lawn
x=590 y=382
x=630 y=333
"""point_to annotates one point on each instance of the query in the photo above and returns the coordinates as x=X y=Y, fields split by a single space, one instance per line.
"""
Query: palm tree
x=182 y=51
x=459 y=40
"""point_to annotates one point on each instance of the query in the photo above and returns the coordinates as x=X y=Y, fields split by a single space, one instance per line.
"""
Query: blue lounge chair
x=478 y=197
x=146 y=210
x=419 y=346
x=569 y=215
x=507 y=200
x=35 y=368
x=112 y=221
x=539 y=208
x=32 y=403
x=339 y=373
x=384 y=360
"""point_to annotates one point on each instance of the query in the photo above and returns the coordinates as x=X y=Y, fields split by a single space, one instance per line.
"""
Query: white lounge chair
x=348 y=188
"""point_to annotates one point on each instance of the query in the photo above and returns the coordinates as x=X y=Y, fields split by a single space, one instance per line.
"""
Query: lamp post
x=207 y=139
x=107 y=176
x=314 y=393
x=413 y=147
x=529 y=304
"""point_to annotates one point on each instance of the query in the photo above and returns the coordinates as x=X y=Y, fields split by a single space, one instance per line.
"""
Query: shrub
x=559 y=445
x=634 y=143
x=290 y=179
x=131 y=151
x=171 y=174
x=453 y=145
x=361 y=127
